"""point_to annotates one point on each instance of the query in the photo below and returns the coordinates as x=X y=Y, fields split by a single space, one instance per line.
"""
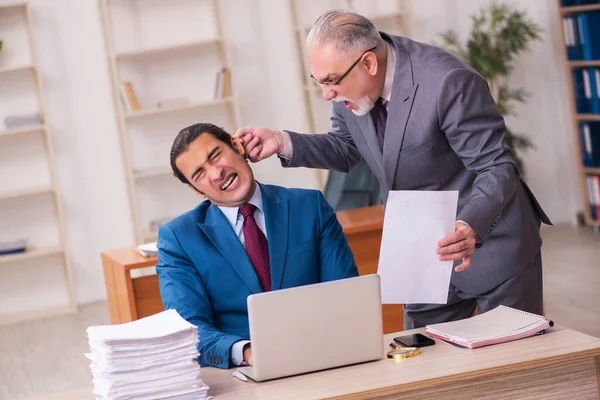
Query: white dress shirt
x=237 y=221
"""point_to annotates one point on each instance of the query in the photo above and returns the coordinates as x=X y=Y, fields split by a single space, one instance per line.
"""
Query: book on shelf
x=589 y=137
x=128 y=97
x=19 y=121
x=222 y=84
x=582 y=35
x=571 y=3
x=13 y=247
x=502 y=324
x=593 y=192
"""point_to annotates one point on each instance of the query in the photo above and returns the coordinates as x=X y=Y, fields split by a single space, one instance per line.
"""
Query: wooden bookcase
x=574 y=116
x=38 y=282
x=389 y=16
x=171 y=53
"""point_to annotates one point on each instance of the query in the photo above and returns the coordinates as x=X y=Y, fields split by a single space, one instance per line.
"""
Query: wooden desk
x=563 y=364
x=132 y=298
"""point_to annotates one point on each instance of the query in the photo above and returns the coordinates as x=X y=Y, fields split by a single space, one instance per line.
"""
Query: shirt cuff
x=287 y=151
x=478 y=242
x=237 y=352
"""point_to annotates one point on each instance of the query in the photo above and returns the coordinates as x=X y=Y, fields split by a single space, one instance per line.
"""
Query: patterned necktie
x=257 y=247
x=379 y=114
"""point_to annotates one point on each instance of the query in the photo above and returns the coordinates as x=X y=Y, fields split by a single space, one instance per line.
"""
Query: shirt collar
x=386 y=93
x=231 y=213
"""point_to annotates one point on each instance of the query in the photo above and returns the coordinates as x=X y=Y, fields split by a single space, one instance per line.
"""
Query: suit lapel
x=403 y=95
x=277 y=223
x=219 y=231
x=400 y=106
x=370 y=134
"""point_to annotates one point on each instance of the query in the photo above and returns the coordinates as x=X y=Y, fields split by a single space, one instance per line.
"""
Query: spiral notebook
x=502 y=324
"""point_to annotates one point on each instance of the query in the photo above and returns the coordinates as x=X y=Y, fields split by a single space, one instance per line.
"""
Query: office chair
x=354 y=189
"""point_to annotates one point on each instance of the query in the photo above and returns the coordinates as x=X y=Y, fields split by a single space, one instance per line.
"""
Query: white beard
x=363 y=105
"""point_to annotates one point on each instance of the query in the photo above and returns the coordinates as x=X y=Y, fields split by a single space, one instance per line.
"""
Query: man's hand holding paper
x=458 y=245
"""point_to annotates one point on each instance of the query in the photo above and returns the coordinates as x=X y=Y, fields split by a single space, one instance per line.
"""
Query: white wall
x=81 y=115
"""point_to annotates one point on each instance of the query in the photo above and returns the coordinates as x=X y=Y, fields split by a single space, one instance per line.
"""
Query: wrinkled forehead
x=326 y=59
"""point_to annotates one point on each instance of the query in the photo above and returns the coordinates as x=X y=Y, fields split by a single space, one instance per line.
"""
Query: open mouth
x=347 y=104
x=230 y=181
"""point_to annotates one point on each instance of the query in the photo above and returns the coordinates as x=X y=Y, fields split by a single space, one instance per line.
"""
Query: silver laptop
x=315 y=327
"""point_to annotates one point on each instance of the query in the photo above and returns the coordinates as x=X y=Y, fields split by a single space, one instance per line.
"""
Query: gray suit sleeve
x=335 y=150
x=475 y=129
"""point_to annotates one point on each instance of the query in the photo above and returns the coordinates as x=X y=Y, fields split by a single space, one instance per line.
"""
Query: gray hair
x=349 y=31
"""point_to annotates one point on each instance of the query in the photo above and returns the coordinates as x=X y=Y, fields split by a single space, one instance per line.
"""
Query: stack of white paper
x=151 y=358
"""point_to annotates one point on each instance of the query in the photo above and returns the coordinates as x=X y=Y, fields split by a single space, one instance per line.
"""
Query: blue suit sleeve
x=335 y=256
x=182 y=289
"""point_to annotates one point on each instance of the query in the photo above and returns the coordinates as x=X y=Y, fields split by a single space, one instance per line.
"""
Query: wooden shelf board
x=24 y=131
x=21 y=68
x=588 y=117
x=166 y=49
x=152 y=173
x=593 y=171
x=582 y=64
x=12 y=6
x=192 y=106
x=31 y=253
x=579 y=9
x=374 y=18
x=26 y=192
x=383 y=17
x=8 y=319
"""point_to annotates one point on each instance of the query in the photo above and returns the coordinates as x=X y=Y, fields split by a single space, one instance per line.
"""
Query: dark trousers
x=523 y=291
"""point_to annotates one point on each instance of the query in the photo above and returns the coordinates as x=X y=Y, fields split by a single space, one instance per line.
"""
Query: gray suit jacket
x=443 y=132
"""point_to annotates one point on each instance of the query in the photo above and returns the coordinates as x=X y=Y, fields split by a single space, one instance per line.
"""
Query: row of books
x=593 y=192
x=570 y=3
x=586 y=83
x=589 y=135
x=582 y=36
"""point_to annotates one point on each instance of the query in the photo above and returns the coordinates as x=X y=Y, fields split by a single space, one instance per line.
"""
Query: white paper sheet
x=409 y=266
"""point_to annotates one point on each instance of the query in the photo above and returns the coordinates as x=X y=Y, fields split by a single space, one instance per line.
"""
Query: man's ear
x=371 y=63
x=238 y=146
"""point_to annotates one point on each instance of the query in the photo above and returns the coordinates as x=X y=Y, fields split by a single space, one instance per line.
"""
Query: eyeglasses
x=330 y=83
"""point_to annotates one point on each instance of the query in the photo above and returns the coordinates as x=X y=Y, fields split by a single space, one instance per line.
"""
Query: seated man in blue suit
x=247 y=238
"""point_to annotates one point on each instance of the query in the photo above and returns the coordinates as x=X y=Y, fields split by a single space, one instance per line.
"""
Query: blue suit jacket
x=205 y=274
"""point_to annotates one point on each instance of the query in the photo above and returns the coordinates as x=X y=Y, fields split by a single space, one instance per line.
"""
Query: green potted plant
x=499 y=34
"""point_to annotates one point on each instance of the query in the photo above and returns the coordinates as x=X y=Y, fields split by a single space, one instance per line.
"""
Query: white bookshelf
x=171 y=110
x=168 y=51
x=36 y=283
x=391 y=16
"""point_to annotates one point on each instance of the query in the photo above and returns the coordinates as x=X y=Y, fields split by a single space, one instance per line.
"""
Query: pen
x=240 y=376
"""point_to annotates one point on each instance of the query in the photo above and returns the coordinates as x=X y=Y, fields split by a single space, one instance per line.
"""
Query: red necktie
x=257 y=247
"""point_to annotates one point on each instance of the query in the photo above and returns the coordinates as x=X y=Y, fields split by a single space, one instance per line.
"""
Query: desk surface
x=437 y=366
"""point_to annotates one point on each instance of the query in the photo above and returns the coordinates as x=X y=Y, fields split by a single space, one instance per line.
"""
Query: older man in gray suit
x=423 y=120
